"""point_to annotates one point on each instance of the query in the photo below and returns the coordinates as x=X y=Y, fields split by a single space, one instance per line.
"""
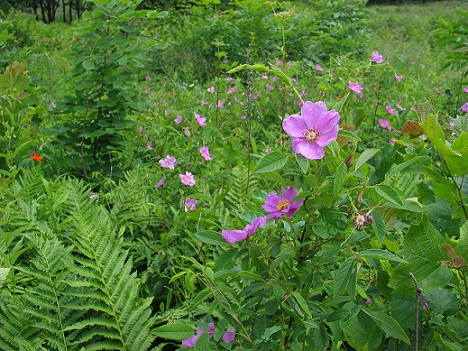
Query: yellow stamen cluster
x=282 y=204
x=311 y=135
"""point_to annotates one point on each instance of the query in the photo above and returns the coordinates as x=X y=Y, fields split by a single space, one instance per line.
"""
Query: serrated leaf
x=174 y=331
x=379 y=226
x=348 y=134
x=388 y=325
x=343 y=275
x=271 y=162
x=400 y=167
x=364 y=157
x=340 y=177
x=210 y=237
x=389 y=194
x=303 y=163
x=302 y=304
x=380 y=254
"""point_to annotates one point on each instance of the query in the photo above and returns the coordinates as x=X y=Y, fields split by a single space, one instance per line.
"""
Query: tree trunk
x=70 y=10
x=78 y=10
x=63 y=12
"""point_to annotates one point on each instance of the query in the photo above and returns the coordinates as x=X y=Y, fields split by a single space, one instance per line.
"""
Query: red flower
x=36 y=157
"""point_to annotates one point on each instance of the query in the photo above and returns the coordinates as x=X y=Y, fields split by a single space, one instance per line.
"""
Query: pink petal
x=313 y=112
x=251 y=228
x=229 y=335
x=296 y=144
x=326 y=138
x=311 y=151
x=232 y=236
x=289 y=193
x=271 y=202
x=295 y=126
x=328 y=121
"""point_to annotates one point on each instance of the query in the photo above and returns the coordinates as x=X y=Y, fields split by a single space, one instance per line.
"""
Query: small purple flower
x=211 y=90
x=269 y=87
x=168 y=162
x=391 y=110
x=220 y=104
x=203 y=102
x=464 y=108
x=400 y=107
x=279 y=204
x=314 y=129
x=231 y=90
x=274 y=79
x=178 y=120
x=147 y=77
x=398 y=78
x=191 y=341
x=385 y=124
x=318 y=68
x=149 y=146
x=229 y=79
x=376 y=57
x=438 y=90
x=465 y=89
x=229 y=335
x=160 y=183
x=187 y=179
x=201 y=120
x=53 y=104
x=190 y=204
x=232 y=236
x=93 y=196
x=205 y=153
x=289 y=64
x=368 y=302
x=354 y=86
x=265 y=77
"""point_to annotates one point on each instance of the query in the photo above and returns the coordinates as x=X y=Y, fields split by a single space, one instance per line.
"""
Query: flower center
x=282 y=204
x=311 y=135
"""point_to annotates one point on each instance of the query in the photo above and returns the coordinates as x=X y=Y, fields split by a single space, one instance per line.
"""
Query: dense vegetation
x=235 y=176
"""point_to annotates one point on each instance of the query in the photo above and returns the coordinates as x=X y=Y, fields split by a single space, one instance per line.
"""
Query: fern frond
x=120 y=315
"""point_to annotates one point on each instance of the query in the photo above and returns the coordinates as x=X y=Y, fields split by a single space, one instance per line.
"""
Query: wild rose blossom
x=232 y=236
x=354 y=86
x=201 y=120
x=391 y=110
x=376 y=57
x=178 y=120
x=191 y=341
x=465 y=89
x=318 y=68
x=385 y=124
x=205 y=153
x=168 y=162
x=278 y=205
x=314 y=129
x=160 y=183
x=211 y=90
x=464 y=108
x=190 y=204
x=398 y=78
x=187 y=179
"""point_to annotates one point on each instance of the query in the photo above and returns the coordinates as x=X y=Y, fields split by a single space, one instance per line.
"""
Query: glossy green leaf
x=364 y=157
x=210 y=237
x=271 y=162
x=388 y=325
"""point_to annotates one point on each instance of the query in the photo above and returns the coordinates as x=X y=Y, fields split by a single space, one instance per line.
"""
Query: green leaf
x=400 y=167
x=174 y=331
x=210 y=237
x=348 y=134
x=379 y=226
x=271 y=162
x=388 y=325
x=380 y=254
x=302 y=303
x=364 y=157
x=462 y=248
x=303 y=163
x=3 y=274
x=343 y=275
x=88 y=65
x=340 y=177
x=389 y=194
x=339 y=105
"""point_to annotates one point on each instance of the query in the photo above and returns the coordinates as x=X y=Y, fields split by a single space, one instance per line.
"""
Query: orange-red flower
x=36 y=157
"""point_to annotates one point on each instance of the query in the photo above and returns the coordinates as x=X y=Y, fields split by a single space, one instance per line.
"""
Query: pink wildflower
x=205 y=153
x=231 y=90
x=201 y=120
x=376 y=57
x=229 y=79
x=314 y=129
x=354 y=86
x=398 y=78
x=187 y=179
x=211 y=90
x=391 y=110
x=464 y=108
x=232 y=236
x=229 y=335
x=269 y=87
x=160 y=183
x=465 y=89
x=279 y=204
x=190 y=204
x=385 y=124
x=220 y=104
x=318 y=68
x=168 y=162
x=178 y=120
